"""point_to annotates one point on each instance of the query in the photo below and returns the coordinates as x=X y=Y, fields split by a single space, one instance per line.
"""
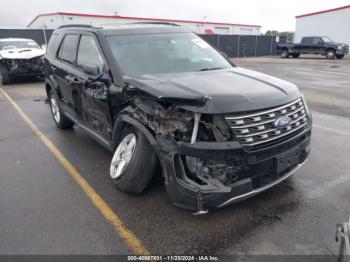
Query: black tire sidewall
x=140 y=169
x=284 y=53
x=330 y=52
x=64 y=122
x=4 y=75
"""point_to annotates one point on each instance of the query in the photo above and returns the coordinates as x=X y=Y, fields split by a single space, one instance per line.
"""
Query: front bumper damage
x=25 y=67
x=251 y=172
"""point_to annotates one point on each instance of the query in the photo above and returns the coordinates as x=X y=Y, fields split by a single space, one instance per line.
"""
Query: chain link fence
x=245 y=45
x=38 y=35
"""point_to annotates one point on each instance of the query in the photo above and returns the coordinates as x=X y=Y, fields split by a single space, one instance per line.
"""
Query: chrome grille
x=258 y=128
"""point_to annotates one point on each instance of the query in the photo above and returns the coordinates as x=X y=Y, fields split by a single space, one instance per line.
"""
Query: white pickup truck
x=20 y=57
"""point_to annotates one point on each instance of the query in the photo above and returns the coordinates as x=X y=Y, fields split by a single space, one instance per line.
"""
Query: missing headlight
x=193 y=164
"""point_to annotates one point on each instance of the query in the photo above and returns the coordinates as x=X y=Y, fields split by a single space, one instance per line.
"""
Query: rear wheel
x=4 y=75
x=296 y=55
x=340 y=56
x=284 y=53
x=134 y=162
x=330 y=54
x=60 y=119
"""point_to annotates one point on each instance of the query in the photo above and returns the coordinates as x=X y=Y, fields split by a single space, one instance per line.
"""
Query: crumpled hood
x=224 y=91
x=21 y=53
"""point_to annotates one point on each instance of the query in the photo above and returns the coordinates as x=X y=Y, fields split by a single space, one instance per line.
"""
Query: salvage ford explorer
x=158 y=95
x=20 y=57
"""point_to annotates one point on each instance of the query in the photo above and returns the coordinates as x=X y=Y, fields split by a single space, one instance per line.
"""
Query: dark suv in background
x=316 y=45
x=154 y=93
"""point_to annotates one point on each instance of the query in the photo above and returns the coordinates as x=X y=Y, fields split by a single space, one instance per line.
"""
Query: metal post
x=238 y=47
x=44 y=32
x=271 y=45
x=218 y=42
x=256 y=43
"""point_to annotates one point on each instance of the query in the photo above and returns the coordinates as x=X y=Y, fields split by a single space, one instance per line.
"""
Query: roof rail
x=154 y=23
x=77 y=25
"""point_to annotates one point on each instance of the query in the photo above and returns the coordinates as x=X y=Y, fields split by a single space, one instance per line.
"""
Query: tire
x=339 y=56
x=61 y=121
x=330 y=54
x=284 y=53
x=4 y=76
x=296 y=55
x=140 y=159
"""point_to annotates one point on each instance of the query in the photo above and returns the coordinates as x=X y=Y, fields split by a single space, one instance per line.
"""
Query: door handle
x=74 y=80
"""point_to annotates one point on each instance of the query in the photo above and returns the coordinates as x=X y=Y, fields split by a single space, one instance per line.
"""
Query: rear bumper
x=253 y=171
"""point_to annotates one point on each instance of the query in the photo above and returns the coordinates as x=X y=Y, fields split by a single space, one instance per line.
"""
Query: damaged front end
x=205 y=160
x=24 y=67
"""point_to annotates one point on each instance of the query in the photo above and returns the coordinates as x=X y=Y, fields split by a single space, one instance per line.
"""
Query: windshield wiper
x=210 y=68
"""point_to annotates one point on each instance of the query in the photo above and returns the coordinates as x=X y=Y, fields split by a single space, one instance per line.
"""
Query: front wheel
x=60 y=119
x=340 y=56
x=4 y=76
x=296 y=55
x=134 y=162
x=284 y=53
x=330 y=54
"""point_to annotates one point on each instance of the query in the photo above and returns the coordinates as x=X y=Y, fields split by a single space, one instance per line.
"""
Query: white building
x=334 y=23
x=54 y=20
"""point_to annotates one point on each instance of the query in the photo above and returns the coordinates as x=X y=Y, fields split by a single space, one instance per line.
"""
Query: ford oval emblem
x=282 y=122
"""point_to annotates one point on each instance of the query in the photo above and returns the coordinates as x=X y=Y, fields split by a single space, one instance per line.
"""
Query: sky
x=270 y=14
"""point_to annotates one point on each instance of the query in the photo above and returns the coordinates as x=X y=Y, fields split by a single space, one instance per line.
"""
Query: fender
x=120 y=123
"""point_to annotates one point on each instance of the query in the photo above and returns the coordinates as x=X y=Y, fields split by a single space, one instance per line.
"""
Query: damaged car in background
x=159 y=95
x=20 y=57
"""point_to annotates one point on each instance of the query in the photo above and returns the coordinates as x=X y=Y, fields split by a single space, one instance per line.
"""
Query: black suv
x=154 y=93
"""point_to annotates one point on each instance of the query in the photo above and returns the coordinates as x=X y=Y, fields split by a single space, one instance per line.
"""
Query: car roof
x=15 y=39
x=129 y=29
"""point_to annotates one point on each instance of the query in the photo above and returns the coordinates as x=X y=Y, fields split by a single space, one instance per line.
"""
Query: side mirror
x=92 y=70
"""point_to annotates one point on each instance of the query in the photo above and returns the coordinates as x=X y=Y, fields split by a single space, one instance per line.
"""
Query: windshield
x=6 y=45
x=326 y=39
x=164 y=53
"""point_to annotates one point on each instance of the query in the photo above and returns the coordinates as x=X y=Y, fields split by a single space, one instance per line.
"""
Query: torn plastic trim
x=183 y=189
x=120 y=123
x=263 y=188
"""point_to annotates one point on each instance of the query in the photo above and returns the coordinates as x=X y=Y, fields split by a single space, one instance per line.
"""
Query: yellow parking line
x=338 y=131
x=129 y=237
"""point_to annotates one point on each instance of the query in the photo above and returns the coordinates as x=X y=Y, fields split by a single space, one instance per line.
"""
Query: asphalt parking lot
x=44 y=210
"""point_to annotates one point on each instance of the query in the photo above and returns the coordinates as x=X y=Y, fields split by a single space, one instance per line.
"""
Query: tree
x=288 y=34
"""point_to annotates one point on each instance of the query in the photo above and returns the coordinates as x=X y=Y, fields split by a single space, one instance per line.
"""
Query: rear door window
x=68 y=48
x=316 y=40
x=307 y=40
x=88 y=53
